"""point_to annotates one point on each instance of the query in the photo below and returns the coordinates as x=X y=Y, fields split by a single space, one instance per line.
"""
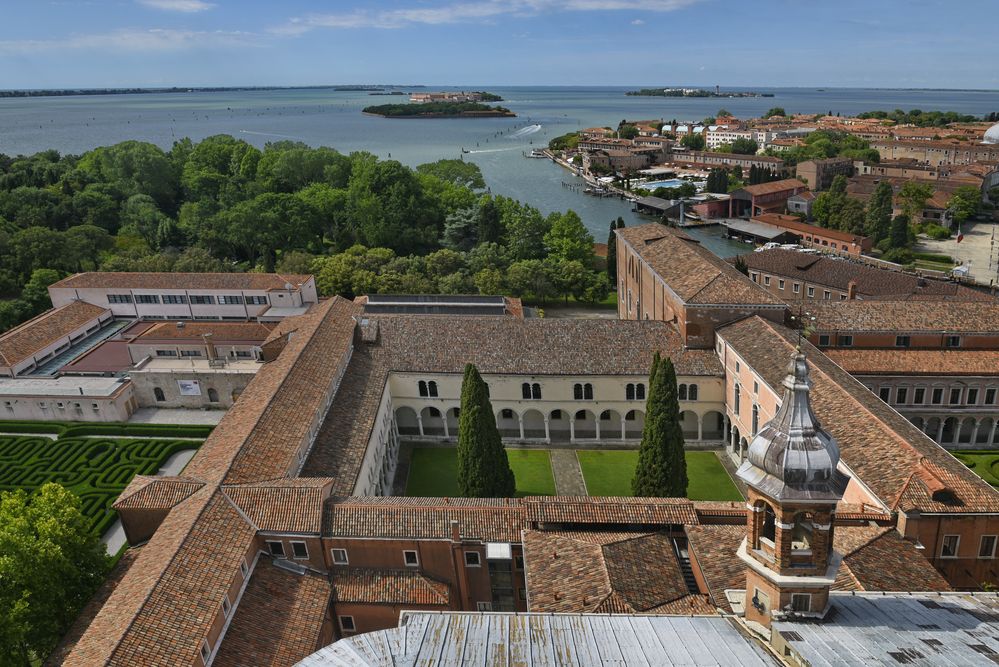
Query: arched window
x=801 y=534
x=629 y=392
x=769 y=530
x=434 y=412
x=681 y=392
x=525 y=390
x=581 y=414
x=213 y=396
x=432 y=388
x=756 y=418
x=738 y=396
x=577 y=391
x=588 y=391
x=158 y=393
x=423 y=388
x=605 y=416
x=640 y=391
x=692 y=392
x=535 y=390
x=630 y=417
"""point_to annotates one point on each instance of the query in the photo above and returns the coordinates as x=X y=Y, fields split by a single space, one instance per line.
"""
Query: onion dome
x=792 y=457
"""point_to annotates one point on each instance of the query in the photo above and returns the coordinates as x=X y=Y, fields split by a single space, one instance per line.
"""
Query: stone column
x=624 y=428
x=419 y=422
x=572 y=428
x=548 y=433
x=939 y=437
x=520 y=420
x=444 y=420
x=992 y=433
x=974 y=432
x=597 y=422
x=700 y=427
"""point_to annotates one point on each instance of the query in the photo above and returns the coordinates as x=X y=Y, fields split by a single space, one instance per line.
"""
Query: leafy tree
x=598 y=287
x=461 y=230
x=913 y=197
x=965 y=202
x=627 y=131
x=775 y=111
x=483 y=467
x=662 y=467
x=489 y=281
x=717 y=181
x=38 y=246
x=723 y=113
x=741 y=266
x=570 y=277
x=879 y=208
x=85 y=244
x=526 y=229
x=899 y=235
x=745 y=146
x=52 y=563
x=36 y=290
x=294 y=261
x=568 y=238
x=612 y=252
x=199 y=260
x=530 y=276
x=462 y=173
x=489 y=220
x=694 y=142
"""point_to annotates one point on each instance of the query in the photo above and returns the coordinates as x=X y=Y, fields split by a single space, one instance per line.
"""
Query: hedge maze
x=985 y=463
x=95 y=469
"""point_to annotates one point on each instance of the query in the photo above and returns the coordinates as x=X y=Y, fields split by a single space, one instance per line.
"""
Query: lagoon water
x=74 y=124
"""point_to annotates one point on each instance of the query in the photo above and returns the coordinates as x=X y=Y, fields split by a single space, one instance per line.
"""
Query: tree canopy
x=662 y=466
x=483 y=467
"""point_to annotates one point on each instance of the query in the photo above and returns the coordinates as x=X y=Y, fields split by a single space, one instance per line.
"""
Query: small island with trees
x=438 y=110
x=693 y=92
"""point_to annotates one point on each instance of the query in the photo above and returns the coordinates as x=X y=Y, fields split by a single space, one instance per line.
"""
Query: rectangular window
x=824 y=340
x=347 y=623
x=796 y=288
x=410 y=558
x=246 y=354
x=918 y=395
x=971 y=398
x=937 y=397
x=518 y=562
x=166 y=353
x=472 y=559
x=846 y=341
x=990 y=396
x=484 y=606
x=174 y=298
x=257 y=300
x=953 y=341
x=826 y=294
x=885 y=394
x=955 y=396
x=119 y=298
x=202 y=299
x=147 y=298
x=231 y=299
x=902 y=341
x=226 y=606
x=243 y=569
x=205 y=652
x=299 y=550
x=755 y=277
x=339 y=556
x=190 y=353
x=780 y=284
x=766 y=280
x=987 y=547
x=901 y=394
x=276 y=549
x=801 y=602
x=948 y=549
x=811 y=292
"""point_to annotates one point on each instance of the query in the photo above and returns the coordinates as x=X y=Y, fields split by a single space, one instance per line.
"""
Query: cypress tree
x=662 y=468
x=878 y=222
x=612 y=253
x=483 y=468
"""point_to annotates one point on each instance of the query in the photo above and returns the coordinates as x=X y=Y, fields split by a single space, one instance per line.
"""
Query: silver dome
x=992 y=135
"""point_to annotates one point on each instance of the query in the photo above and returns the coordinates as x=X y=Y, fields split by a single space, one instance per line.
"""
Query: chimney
x=209 y=346
x=455 y=532
x=851 y=290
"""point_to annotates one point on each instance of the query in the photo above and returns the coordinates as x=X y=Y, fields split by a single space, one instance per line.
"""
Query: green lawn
x=95 y=469
x=433 y=472
x=609 y=473
x=984 y=463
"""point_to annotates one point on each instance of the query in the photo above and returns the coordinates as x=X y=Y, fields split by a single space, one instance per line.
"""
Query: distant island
x=692 y=92
x=438 y=110
x=62 y=92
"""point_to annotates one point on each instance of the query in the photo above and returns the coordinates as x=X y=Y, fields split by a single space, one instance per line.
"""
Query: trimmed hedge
x=107 y=428
x=32 y=427
x=933 y=257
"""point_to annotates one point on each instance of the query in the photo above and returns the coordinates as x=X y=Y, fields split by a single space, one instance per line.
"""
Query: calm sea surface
x=332 y=118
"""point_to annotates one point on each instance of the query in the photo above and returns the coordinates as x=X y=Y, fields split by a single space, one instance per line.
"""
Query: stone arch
x=584 y=425
x=433 y=421
x=558 y=425
x=508 y=423
x=406 y=422
x=985 y=427
x=951 y=426
x=534 y=424
x=967 y=430
x=213 y=395
x=611 y=425
x=634 y=424
x=713 y=426
x=451 y=416
x=158 y=394
x=690 y=425
x=932 y=428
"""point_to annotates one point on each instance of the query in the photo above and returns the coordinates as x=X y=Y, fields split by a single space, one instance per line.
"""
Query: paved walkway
x=176 y=416
x=730 y=468
x=568 y=475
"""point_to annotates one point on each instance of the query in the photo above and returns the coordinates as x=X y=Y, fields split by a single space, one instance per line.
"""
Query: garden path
x=568 y=475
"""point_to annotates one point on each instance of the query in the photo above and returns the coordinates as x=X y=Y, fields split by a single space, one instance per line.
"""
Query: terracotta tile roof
x=190 y=281
x=488 y=519
x=903 y=467
x=916 y=362
x=494 y=344
x=279 y=619
x=153 y=492
x=794 y=224
x=221 y=332
x=609 y=510
x=388 y=587
x=874 y=559
x=839 y=273
x=259 y=436
x=624 y=573
x=39 y=332
x=292 y=505
x=693 y=272
x=773 y=187
x=901 y=317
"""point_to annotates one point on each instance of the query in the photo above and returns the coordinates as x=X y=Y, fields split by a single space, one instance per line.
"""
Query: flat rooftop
x=64 y=386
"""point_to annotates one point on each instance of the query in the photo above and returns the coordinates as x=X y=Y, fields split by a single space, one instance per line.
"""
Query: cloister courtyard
x=432 y=471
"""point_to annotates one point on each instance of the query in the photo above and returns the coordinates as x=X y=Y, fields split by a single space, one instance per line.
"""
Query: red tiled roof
x=39 y=332
x=916 y=362
x=190 y=281
x=285 y=505
x=905 y=316
x=388 y=587
x=773 y=187
x=793 y=223
x=153 y=492
x=220 y=331
x=609 y=510
x=279 y=620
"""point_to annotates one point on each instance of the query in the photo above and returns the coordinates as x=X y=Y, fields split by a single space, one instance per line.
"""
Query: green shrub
x=898 y=255
x=32 y=427
x=933 y=257
x=158 y=430
x=937 y=232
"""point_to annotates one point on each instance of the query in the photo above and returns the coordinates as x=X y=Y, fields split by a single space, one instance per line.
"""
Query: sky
x=848 y=43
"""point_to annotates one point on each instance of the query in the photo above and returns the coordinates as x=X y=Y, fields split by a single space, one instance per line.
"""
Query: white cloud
x=468 y=12
x=186 y=6
x=638 y=22
x=134 y=40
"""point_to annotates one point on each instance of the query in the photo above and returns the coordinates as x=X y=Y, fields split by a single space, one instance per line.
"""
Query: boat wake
x=495 y=150
x=524 y=131
x=271 y=134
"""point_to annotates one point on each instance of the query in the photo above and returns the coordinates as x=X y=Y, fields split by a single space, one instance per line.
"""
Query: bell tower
x=794 y=486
